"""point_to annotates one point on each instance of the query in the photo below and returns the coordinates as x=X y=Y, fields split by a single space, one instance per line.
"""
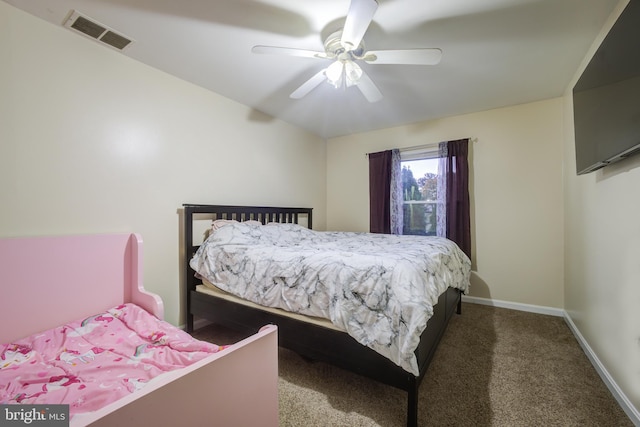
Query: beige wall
x=516 y=194
x=602 y=240
x=94 y=142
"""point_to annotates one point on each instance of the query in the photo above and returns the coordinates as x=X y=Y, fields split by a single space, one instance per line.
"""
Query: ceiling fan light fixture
x=352 y=72
x=334 y=73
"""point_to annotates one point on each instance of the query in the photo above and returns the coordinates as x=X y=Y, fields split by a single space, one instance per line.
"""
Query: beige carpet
x=494 y=367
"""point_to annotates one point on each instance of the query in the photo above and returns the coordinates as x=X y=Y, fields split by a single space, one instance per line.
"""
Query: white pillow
x=221 y=223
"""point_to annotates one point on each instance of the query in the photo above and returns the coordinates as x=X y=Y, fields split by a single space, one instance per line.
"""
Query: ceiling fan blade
x=274 y=50
x=368 y=88
x=358 y=19
x=309 y=85
x=429 y=56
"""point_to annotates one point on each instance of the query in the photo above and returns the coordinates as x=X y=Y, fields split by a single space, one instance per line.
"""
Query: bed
x=310 y=336
x=72 y=285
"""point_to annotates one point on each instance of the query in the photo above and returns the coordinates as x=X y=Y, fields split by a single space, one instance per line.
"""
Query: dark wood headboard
x=264 y=214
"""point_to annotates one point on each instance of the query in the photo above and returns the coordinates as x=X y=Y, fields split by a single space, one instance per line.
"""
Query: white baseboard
x=620 y=397
x=515 y=306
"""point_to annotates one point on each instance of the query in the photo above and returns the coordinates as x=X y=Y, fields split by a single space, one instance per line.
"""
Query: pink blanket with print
x=90 y=363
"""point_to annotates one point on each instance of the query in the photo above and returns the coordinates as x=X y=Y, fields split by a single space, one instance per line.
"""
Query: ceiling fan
x=345 y=48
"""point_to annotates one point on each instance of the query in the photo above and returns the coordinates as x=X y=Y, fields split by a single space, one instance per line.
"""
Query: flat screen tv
x=606 y=98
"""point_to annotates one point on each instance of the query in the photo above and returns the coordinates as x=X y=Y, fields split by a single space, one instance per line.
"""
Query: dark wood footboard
x=308 y=339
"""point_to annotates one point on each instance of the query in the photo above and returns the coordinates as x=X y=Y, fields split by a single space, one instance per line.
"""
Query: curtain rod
x=418 y=147
x=430 y=145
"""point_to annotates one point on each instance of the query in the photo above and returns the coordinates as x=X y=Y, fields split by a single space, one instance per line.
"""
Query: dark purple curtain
x=380 y=192
x=458 y=208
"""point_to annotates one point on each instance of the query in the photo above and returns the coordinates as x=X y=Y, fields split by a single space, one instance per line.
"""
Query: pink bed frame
x=48 y=281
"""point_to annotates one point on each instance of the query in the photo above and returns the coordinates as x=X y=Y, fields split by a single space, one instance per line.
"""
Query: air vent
x=91 y=28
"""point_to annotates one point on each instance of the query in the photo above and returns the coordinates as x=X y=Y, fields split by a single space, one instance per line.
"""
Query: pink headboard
x=48 y=281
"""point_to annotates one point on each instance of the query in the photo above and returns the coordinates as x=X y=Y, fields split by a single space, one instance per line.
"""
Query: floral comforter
x=380 y=289
x=90 y=363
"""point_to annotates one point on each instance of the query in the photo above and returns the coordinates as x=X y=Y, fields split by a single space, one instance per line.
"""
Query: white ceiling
x=495 y=52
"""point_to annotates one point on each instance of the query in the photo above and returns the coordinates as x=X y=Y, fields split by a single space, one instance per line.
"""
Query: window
x=420 y=192
x=451 y=210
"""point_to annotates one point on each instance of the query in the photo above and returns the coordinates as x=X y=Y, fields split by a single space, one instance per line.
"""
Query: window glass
x=419 y=185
